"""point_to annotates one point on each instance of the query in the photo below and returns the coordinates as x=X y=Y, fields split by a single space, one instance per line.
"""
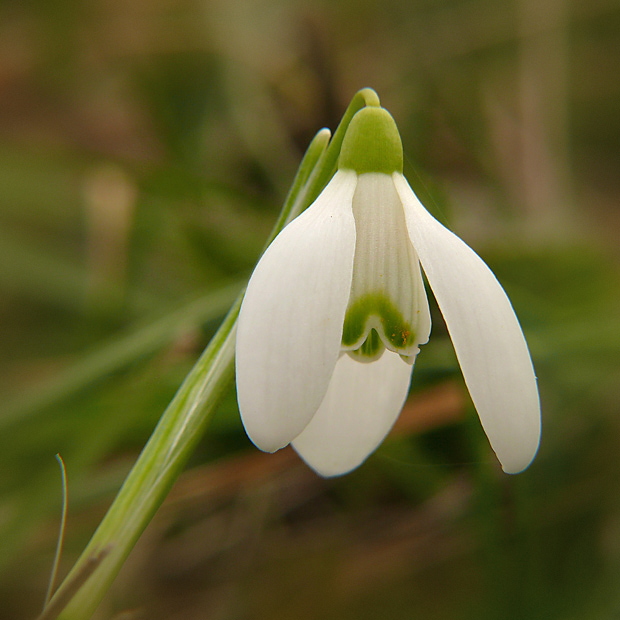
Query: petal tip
x=519 y=460
x=267 y=442
x=329 y=469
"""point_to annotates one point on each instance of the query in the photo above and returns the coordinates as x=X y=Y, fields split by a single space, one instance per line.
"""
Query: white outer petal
x=359 y=409
x=290 y=324
x=486 y=334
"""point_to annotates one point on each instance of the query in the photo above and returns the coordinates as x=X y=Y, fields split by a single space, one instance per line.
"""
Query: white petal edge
x=486 y=334
x=290 y=323
x=360 y=407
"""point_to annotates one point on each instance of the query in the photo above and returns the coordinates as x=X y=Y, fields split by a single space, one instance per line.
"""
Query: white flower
x=336 y=309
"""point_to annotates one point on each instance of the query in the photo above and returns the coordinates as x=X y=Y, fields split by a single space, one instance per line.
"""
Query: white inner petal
x=388 y=305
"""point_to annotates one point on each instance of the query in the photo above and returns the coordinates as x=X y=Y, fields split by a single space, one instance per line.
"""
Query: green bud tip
x=372 y=143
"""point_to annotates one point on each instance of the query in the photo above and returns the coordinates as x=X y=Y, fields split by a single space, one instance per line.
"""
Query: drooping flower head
x=336 y=310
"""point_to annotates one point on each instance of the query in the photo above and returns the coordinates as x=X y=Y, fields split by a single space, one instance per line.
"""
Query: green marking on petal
x=371 y=350
x=395 y=333
x=372 y=143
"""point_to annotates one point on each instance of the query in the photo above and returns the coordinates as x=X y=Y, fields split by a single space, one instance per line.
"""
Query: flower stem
x=157 y=468
x=186 y=417
x=328 y=161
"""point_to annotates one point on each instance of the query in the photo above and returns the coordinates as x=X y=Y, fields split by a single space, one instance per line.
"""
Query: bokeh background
x=145 y=150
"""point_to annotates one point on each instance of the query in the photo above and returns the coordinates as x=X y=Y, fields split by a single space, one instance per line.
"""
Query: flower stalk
x=186 y=418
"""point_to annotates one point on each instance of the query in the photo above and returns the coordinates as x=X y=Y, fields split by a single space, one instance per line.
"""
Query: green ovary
x=396 y=333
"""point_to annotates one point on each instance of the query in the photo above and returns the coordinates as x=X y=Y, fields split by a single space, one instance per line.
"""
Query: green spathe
x=372 y=143
x=396 y=331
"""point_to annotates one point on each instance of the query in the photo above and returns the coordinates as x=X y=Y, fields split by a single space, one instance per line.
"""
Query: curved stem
x=185 y=419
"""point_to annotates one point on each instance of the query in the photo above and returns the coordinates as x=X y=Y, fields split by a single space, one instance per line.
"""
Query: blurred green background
x=145 y=150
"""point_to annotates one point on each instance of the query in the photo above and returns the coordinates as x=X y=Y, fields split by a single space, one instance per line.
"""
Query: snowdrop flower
x=336 y=310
